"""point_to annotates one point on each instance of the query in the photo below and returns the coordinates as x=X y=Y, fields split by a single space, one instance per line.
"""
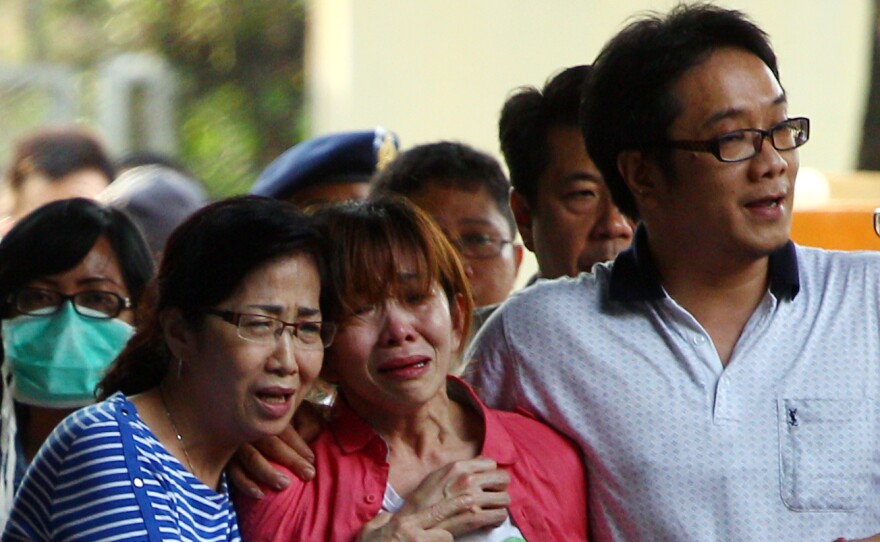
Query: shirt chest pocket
x=825 y=448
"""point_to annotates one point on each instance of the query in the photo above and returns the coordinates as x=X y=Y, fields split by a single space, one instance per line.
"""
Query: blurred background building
x=225 y=86
x=216 y=84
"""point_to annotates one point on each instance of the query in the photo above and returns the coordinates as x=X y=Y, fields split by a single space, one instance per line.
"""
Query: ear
x=636 y=170
x=522 y=214
x=178 y=334
x=456 y=311
x=518 y=255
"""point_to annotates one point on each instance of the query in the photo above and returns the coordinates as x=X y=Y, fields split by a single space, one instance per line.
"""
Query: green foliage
x=208 y=123
x=239 y=65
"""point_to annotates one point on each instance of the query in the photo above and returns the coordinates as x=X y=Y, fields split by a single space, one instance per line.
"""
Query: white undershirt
x=506 y=532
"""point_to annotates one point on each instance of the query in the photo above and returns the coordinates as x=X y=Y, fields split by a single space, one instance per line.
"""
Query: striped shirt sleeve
x=78 y=486
x=87 y=478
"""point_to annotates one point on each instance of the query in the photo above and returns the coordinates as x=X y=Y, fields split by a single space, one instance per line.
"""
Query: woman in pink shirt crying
x=410 y=452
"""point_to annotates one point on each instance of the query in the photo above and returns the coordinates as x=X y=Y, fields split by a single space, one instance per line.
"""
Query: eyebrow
x=307 y=311
x=475 y=222
x=581 y=176
x=736 y=112
x=82 y=282
x=276 y=310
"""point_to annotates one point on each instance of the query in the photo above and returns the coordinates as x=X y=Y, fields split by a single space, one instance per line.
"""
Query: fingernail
x=309 y=473
x=256 y=493
x=282 y=482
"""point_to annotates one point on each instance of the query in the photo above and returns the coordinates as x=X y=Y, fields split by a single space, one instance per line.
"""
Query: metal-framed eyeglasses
x=480 y=245
x=97 y=304
x=741 y=145
x=263 y=329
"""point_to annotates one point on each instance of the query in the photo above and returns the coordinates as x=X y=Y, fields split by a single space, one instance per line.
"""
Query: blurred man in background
x=158 y=198
x=466 y=192
x=562 y=207
x=53 y=164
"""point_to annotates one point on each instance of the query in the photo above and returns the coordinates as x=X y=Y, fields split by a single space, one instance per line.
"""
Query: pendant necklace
x=176 y=430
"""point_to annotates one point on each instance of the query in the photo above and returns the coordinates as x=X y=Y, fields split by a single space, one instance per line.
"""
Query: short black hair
x=55 y=153
x=526 y=119
x=628 y=105
x=57 y=236
x=447 y=164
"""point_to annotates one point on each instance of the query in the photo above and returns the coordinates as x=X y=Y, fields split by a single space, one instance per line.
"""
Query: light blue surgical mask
x=56 y=361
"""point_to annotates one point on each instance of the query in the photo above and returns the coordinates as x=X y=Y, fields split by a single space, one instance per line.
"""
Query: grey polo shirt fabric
x=782 y=444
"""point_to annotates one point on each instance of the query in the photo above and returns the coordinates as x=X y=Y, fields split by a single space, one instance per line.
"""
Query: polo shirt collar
x=634 y=276
x=351 y=433
x=496 y=440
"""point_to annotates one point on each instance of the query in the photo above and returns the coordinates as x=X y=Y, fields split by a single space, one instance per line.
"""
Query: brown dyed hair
x=370 y=241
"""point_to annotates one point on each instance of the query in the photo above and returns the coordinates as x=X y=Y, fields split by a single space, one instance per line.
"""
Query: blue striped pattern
x=78 y=487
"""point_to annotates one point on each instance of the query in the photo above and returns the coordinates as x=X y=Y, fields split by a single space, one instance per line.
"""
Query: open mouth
x=404 y=365
x=767 y=203
x=274 y=398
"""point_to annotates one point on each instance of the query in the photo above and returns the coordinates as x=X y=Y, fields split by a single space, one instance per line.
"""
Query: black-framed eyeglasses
x=744 y=144
x=260 y=328
x=97 y=304
x=480 y=245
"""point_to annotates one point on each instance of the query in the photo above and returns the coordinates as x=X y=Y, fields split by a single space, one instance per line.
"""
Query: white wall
x=441 y=69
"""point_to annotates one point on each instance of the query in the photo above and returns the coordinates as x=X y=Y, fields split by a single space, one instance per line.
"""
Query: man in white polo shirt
x=722 y=382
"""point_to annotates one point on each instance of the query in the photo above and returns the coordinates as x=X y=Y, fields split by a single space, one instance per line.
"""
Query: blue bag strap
x=125 y=417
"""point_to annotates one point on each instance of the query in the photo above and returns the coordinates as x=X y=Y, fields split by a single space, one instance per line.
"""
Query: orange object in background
x=842 y=219
x=843 y=229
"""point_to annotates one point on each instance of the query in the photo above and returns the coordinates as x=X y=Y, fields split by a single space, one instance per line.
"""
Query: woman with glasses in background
x=226 y=351
x=71 y=275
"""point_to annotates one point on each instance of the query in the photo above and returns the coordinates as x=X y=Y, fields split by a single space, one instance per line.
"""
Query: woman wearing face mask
x=71 y=275
x=222 y=356
x=409 y=450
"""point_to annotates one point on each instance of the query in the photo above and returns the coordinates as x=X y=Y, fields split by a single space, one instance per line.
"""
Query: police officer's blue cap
x=341 y=157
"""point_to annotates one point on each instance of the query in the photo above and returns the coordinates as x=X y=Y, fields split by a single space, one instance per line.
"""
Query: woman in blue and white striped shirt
x=211 y=368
